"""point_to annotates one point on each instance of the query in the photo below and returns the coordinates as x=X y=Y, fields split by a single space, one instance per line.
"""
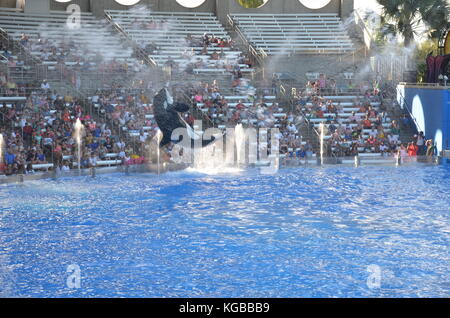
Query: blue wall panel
x=431 y=108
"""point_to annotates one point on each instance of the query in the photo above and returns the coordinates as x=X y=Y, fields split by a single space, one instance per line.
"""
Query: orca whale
x=168 y=117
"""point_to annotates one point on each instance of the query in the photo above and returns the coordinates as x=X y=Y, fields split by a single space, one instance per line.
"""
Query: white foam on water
x=215 y=171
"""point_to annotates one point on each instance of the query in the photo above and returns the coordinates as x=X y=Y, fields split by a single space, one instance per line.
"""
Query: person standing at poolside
x=93 y=160
x=421 y=143
x=431 y=148
x=412 y=149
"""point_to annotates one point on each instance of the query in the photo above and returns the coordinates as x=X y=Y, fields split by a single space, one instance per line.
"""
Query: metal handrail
x=141 y=54
x=438 y=85
x=194 y=106
x=402 y=98
x=291 y=100
x=364 y=29
x=259 y=57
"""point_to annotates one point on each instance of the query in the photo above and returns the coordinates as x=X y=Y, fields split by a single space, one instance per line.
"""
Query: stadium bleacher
x=67 y=44
x=295 y=33
x=168 y=31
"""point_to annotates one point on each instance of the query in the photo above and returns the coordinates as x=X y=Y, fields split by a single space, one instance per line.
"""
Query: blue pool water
x=300 y=233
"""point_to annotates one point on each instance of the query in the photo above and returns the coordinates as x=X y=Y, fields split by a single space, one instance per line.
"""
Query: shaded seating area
x=53 y=39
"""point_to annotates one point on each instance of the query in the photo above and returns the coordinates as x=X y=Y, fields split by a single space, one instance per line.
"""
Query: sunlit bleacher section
x=57 y=38
x=295 y=33
x=347 y=116
x=167 y=32
x=222 y=120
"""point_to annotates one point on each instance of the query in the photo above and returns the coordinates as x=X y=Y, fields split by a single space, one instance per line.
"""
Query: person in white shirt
x=48 y=141
x=107 y=132
x=120 y=144
x=215 y=95
x=292 y=128
x=142 y=137
x=421 y=143
x=45 y=85
x=93 y=160
x=392 y=138
x=122 y=154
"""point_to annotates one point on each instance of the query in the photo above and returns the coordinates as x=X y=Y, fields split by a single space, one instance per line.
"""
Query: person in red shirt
x=367 y=124
x=240 y=106
x=412 y=149
x=58 y=155
x=190 y=119
x=371 y=141
x=27 y=133
x=66 y=116
x=208 y=103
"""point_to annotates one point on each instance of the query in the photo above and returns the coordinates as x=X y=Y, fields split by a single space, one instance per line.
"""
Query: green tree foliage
x=404 y=17
x=251 y=3
x=425 y=48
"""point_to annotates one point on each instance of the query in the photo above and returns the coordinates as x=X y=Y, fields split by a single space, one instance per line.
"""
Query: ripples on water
x=300 y=233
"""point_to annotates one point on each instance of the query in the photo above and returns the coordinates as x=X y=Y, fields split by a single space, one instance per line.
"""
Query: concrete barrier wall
x=145 y=168
x=8 y=3
x=85 y=5
x=220 y=7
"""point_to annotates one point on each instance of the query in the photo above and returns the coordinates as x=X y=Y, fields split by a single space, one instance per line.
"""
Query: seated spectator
x=367 y=124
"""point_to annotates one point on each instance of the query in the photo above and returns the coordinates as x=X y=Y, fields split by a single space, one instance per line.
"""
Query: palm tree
x=251 y=3
x=404 y=17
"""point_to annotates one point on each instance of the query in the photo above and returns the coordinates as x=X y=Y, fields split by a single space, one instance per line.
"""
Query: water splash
x=322 y=137
x=78 y=135
x=158 y=137
x=239 y=137
x=213 y=160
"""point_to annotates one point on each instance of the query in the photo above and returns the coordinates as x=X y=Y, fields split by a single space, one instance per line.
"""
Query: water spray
x=78 y=135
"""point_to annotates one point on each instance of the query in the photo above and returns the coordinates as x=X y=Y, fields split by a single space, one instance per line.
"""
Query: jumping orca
x=168 y=117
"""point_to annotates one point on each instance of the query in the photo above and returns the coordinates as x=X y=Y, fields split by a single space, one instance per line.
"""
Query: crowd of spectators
x=40 y=131
x=257 y=108
x=366 y=129
x=212 y=56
